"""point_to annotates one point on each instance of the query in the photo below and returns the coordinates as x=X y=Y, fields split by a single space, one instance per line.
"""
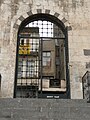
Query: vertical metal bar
x=88 y=79
x=41 y=72
x=83 y=87
x=0 y=84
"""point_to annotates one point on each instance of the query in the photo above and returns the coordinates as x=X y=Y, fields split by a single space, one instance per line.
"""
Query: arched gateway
x=42 y=58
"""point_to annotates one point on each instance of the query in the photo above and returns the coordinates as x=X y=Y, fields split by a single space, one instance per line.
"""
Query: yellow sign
x=24 y=49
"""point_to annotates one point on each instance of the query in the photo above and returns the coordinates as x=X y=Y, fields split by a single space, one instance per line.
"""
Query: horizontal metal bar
x=40 y=37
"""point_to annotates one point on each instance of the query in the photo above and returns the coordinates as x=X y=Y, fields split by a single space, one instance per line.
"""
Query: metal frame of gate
x=41 y=93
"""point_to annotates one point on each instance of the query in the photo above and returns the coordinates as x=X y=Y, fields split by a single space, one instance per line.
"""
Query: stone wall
x=73 y=13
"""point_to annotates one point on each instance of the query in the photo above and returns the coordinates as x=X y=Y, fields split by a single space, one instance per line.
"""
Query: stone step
x=44 y=109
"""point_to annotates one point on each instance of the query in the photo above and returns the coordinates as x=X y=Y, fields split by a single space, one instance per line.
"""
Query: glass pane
x=44 y=63
x=44 y=53
x=45 y=22
x=39 y=22
x=48 y=53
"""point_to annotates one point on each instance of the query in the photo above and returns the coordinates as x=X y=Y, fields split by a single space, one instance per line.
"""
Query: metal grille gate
x=29 y=67
x=35 y=60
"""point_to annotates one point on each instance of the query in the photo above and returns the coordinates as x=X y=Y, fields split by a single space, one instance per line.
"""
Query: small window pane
x=48 y=53
x=46 y=58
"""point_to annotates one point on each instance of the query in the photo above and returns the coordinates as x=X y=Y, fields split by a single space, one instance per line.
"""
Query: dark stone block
x=86 y=52
x=39 y=10
x=47 y=11
x=21 y=18
x=56 y=14
x=64 y=20
x=69 y=28
x=16 y=26
x=29 y=13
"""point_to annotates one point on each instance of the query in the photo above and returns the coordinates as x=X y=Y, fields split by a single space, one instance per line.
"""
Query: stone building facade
x=74 y=14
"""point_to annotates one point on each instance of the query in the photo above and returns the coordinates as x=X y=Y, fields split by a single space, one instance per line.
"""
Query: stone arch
x=55 y=17
x=39 y=11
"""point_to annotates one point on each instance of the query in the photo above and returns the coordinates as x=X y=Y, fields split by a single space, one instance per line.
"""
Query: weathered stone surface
x=75 y=13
